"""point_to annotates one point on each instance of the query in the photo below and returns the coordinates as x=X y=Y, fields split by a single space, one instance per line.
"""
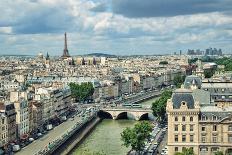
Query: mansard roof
x=182 y=95
x=192 y=80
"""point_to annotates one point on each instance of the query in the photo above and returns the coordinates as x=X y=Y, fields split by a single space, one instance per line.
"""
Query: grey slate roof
x=192 y=79
x=202 y=96
x=182 y=95
x=210 y=111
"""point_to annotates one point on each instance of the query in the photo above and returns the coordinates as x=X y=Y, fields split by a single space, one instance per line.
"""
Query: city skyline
x=120 y=27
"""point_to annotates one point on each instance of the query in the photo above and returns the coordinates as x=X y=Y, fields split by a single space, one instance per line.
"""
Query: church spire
x=47 y=56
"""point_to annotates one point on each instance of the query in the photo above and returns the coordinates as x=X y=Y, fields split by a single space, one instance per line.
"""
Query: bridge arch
x=144 y=116
x=147 y=116
x=125 y=115
x=104 y=114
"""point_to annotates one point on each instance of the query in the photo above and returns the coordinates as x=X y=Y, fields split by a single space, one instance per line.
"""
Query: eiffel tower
x=65 y=51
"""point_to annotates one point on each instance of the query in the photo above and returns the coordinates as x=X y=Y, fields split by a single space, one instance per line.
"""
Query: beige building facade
x=206 y=128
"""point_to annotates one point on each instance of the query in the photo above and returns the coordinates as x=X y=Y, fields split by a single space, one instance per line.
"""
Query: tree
x=159 y=106
x=218 y=153
x=178 y=80
x=227 y=62
x=82 y=91
x=209 y=73
x=191 y=61
x=137 y=136
x=163 y=63
x=186 y=151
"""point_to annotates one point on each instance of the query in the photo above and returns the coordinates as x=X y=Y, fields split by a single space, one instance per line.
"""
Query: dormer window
x=214 y=117
x=203 y=118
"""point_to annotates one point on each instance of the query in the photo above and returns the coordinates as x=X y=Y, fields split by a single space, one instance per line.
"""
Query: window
x=183 y=127
x=230 y=128
x=203 y=139
x=3 y=121
x=176 y=118
x=230 y=138
x=183 y=138
x=203 y=128
x=191 y=127
x=203 y=118
x=176 y=127
x=203 y=149
x=176 y=138
x=176 y=149
x=214 y=127
x=214 y=139
x=191 y=119
x=183 y=119
x=214 y=149
x=191 y=138
x=214 y=118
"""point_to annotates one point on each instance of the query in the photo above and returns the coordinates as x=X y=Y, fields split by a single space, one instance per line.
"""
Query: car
x=31 y=139
x=39 y=134
x=16 y=148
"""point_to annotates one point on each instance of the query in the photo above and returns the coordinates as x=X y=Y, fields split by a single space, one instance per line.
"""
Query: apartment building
x=197 y=122
x=8 y=110
x=3 y=130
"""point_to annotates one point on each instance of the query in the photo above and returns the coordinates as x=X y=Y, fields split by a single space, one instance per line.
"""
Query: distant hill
x=101 y=55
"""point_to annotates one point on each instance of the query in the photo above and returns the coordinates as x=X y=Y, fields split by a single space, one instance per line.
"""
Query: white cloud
x=47 y=20
x=6 y=30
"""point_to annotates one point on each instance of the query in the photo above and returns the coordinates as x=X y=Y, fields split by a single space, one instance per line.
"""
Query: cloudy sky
x=114 y=26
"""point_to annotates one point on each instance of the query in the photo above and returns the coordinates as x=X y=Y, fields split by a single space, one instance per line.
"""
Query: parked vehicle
x=16 y=148
x=49 y=127
x=31 y=139
x=63 y=118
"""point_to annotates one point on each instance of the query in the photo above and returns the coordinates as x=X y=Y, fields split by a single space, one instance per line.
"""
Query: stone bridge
x=136 y=114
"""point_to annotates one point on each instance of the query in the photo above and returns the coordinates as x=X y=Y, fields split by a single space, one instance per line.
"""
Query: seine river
x=106 y=136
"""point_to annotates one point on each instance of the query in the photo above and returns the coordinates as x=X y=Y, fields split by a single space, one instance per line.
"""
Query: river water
x=106 y=137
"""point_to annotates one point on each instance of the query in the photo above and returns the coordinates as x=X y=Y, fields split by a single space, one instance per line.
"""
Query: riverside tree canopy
x=81 y=91
x=159 y=106
x=136 y=136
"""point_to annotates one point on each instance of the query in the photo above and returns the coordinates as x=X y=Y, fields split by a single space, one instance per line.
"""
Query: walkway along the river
x=77 y=137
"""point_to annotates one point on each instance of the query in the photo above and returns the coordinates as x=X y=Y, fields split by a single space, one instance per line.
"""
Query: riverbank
x=105 y=138
x=77 y=137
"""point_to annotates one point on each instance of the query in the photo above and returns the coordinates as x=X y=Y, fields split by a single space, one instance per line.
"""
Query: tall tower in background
x=65 y=52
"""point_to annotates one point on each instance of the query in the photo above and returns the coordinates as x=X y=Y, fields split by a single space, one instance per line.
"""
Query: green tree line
x=159 y=106
x=81 y=91
x=227 y=62
x=178 y=80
